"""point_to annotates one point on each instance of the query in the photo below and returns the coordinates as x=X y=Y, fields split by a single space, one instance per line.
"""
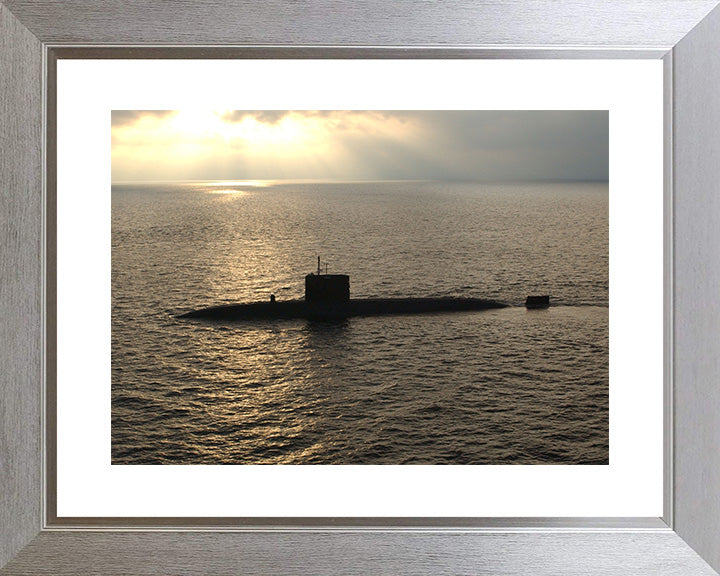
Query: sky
x=464 y=145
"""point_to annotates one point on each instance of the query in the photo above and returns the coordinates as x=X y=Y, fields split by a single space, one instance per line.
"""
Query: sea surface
x=508 y=386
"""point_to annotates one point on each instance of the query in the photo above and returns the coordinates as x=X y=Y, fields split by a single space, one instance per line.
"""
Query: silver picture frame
x=685 y=34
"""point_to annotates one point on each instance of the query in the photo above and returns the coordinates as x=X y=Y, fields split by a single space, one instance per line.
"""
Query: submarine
x=327 y=297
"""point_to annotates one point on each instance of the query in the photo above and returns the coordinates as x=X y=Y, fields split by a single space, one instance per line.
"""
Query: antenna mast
x=318 y=265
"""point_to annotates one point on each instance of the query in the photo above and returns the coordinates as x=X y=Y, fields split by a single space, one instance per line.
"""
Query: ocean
x=507 y=386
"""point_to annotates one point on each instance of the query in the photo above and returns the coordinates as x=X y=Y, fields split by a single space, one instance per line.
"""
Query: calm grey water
x=506 y=386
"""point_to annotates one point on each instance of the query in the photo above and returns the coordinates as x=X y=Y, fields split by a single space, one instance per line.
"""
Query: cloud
x=381 y=144
x=129 y=117
x=264 y=116
x=275 y=116
x=516 y=145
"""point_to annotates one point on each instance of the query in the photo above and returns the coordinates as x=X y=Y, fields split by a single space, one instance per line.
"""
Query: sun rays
x=258 y=145
x=205 y=144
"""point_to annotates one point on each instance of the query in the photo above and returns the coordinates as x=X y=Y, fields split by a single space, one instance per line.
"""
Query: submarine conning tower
x=327 y=288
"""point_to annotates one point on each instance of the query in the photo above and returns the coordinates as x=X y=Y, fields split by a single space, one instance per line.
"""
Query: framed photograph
x=357 y=413
x=350 y=299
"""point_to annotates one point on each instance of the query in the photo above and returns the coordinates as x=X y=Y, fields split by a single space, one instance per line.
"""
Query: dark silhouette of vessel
x=327 y=297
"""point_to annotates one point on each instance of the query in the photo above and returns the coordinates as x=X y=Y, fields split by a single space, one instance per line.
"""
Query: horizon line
x=247 y=181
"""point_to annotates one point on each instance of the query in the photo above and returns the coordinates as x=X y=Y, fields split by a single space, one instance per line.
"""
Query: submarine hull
x=293 y=309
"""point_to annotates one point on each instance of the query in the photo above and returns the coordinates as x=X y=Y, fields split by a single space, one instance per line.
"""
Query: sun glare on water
x=247 y=183
x=235 y=187
x=229 y=192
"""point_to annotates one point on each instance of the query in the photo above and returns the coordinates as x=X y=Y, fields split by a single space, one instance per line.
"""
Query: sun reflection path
x=235 y=187
x=251 y=183
x=230 y=191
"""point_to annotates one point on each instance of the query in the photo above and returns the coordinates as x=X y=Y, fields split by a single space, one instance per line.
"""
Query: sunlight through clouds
x=359 y=145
